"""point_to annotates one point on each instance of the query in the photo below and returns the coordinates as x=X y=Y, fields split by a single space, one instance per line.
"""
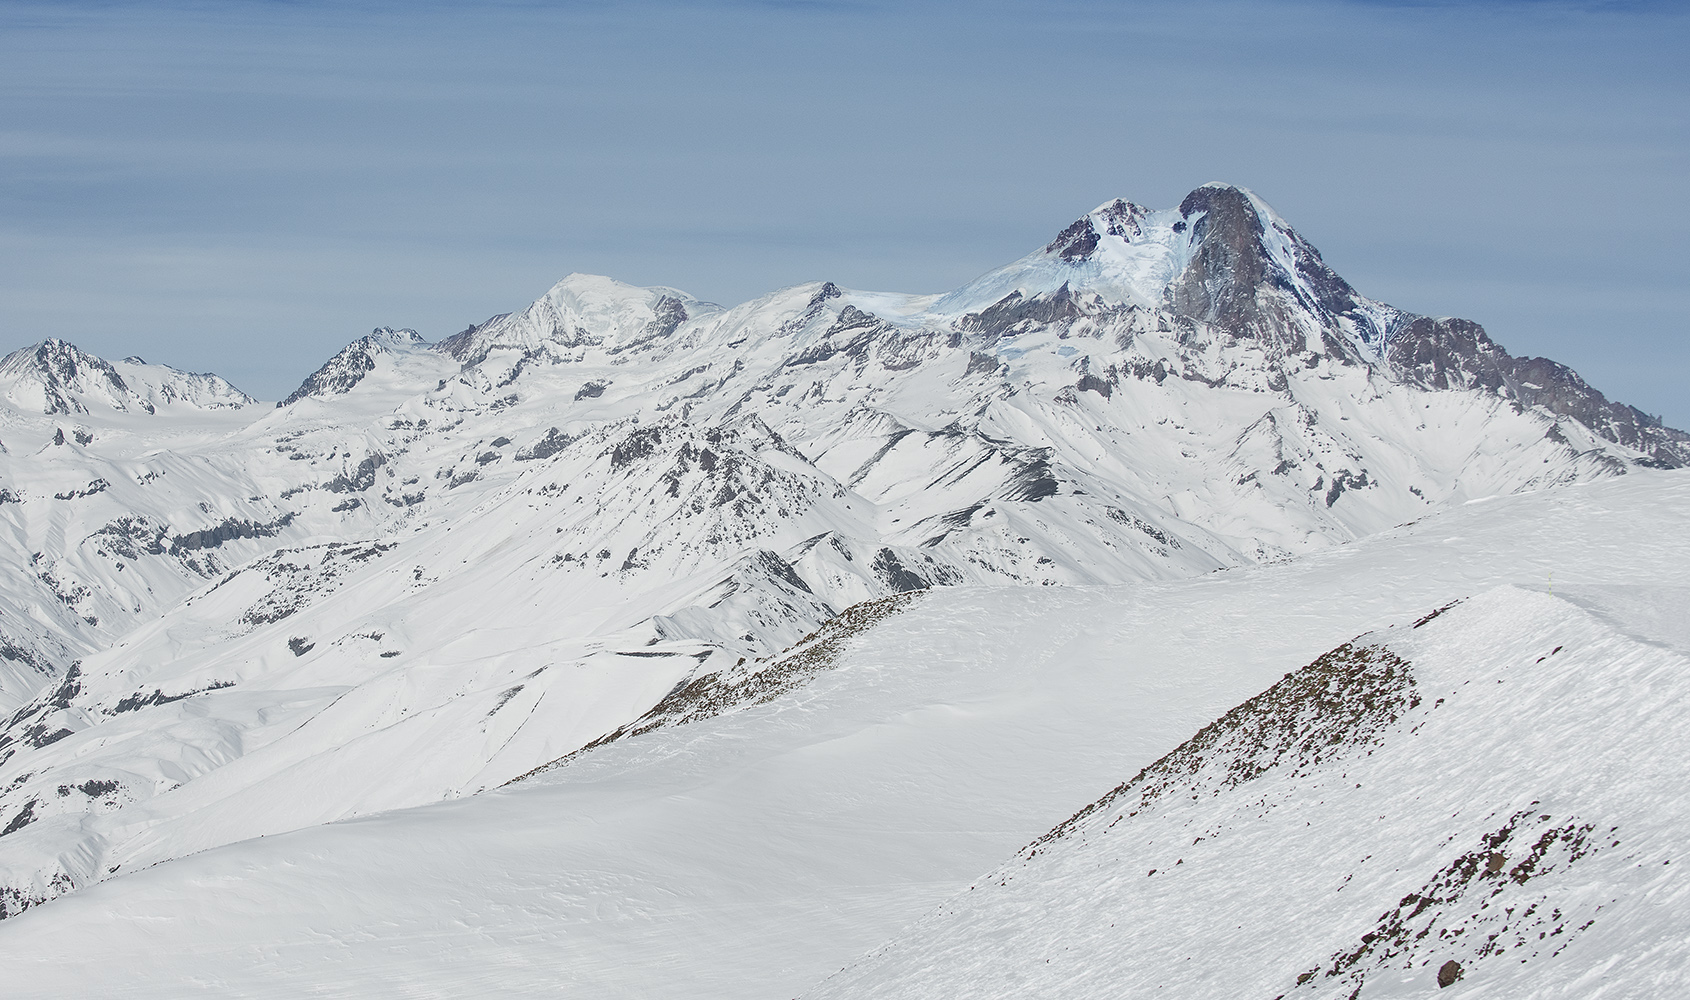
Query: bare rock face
x=1448 y=973
x=1222 y=282
x=460 y=345
x=1446 y=354
x=1015 y=314
x=1451 y=354
x=1076 y=242
x=1237 y=284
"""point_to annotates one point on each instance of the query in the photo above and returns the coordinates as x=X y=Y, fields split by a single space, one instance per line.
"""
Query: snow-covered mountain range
x=434 y=569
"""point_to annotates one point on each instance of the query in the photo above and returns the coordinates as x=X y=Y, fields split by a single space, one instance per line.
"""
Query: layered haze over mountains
x=648 y=646
x=242 y=187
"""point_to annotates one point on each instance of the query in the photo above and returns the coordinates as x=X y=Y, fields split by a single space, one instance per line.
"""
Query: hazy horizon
x=244 y=188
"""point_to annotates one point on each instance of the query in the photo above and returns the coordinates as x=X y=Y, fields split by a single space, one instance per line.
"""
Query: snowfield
x=1495 y=801
x=755 y=853
x=650 y=647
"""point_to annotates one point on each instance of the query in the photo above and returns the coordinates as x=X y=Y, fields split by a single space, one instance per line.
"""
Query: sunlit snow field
x=754 y=854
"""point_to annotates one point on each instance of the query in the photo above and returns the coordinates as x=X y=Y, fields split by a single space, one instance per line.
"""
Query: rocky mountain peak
x=1119 y=218
x=1253 y=277
x=346 y=369
x=1249 y=300
x=57 y=377
x=1076 y=242
x=61 y=374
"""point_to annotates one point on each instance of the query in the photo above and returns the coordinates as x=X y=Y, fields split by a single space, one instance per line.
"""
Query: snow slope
x=1491 y=798
x=754 y=853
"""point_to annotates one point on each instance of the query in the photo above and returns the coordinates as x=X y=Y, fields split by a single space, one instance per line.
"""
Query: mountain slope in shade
x=443 y=567
x=1488 y=798
x=754 y=853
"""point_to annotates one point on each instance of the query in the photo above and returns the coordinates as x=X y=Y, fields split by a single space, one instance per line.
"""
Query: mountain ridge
x=1237 y=246
x=56 y=377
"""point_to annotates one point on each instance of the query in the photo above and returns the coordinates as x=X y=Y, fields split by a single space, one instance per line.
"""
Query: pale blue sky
x=245 y=187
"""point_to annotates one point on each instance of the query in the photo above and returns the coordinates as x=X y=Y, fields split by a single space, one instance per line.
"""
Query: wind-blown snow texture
x=1366 y=827
x=436 y=568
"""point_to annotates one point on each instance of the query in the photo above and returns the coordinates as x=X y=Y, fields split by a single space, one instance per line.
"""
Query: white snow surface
x=753 y=854
x=1523 y=819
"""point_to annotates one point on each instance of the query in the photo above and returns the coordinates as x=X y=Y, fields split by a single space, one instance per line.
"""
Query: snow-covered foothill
x=1490 y=797
x=756 y=852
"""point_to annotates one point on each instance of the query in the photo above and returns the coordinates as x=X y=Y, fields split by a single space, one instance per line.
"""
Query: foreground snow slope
x=1492 y=799
x=753 y=854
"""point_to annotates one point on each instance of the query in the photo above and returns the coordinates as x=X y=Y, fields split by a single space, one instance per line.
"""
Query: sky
x=245 y=187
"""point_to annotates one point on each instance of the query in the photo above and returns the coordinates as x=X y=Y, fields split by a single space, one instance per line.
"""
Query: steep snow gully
x=629 y=645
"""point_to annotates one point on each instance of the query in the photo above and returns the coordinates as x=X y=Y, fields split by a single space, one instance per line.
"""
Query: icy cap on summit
x=579 y=310
x=1123 y=252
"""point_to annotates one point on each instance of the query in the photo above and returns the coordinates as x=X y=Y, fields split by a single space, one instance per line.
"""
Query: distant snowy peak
x=1122 y=252
x=388 y=337
x=57 y=377
x=1223 y=258
x=581 y=310
x=1248 y=267
x=1220 y=291
x=1224 y=268
x=356 y=360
